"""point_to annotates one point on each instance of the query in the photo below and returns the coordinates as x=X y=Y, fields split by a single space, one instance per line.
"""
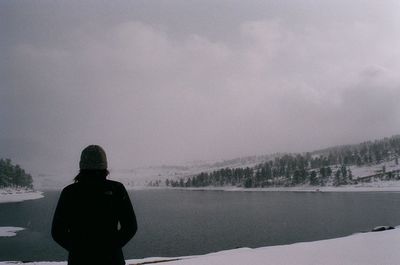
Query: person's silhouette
x=94 y=217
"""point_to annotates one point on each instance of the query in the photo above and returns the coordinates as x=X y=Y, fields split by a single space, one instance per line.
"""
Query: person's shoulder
x=70 y=188
x=115 y=184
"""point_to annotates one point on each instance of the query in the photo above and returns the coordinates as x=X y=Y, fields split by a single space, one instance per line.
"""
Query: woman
x=94 y=217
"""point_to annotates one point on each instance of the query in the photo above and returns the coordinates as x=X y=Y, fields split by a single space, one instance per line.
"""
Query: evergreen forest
x=13 y=175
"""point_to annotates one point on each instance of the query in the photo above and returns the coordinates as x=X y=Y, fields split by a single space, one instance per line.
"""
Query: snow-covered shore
x=349 y=188
x=374 y=248
x=9 y=231
x=377 y=186
x=19 y=195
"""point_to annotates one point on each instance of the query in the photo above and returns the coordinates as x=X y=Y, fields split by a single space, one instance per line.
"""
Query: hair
x=91 y=174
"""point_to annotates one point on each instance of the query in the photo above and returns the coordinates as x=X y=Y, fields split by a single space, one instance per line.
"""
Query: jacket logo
x=109 y=192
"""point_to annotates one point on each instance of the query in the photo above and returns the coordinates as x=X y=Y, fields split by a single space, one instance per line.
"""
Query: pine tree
x=313 y=178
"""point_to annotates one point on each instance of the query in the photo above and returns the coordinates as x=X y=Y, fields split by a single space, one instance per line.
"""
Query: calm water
x=176 y=223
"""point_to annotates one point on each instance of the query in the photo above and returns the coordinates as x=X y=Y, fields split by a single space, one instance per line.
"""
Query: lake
x=179 y=222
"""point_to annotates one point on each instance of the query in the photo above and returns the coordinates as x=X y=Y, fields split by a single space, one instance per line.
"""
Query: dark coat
x=86 y=222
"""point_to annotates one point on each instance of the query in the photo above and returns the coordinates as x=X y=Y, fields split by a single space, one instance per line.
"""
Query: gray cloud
x=164 y=93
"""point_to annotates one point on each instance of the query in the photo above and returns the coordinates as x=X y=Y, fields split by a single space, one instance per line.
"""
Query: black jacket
x=87 y=219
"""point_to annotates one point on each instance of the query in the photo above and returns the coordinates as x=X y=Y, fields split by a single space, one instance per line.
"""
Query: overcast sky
x=164 y=82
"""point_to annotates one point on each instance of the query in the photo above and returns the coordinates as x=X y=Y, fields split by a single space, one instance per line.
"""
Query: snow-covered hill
x=143 y=176
x=369 y=170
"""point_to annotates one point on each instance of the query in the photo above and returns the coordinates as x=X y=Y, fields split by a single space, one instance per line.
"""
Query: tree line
x=324 y=167
x=13 y=175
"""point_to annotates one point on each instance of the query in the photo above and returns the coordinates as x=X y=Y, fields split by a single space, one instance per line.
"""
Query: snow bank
x=8 y=231
x=372 y=248
x=19 y=195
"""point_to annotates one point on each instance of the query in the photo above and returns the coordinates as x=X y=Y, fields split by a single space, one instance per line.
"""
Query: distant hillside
x=339 y=165
x=13 y=175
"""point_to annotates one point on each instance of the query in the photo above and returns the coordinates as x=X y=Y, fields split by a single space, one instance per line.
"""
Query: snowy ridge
x=374 y=248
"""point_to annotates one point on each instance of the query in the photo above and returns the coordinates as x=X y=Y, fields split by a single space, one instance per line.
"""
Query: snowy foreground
x=19 y=195
x=374 y=248
x=9 y=231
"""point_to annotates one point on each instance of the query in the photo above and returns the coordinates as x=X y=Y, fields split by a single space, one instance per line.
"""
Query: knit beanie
x=93 y=157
